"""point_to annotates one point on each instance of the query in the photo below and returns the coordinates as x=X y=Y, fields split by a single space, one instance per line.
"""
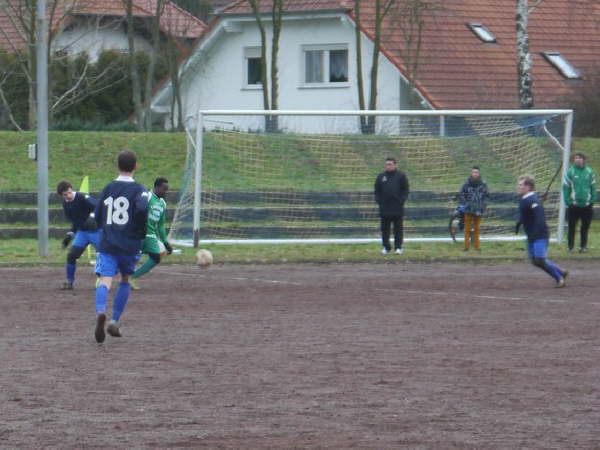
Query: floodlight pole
x=42 y=125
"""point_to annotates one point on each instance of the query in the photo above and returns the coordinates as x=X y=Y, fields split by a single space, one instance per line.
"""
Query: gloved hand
x=68 y=238
x=517 y=227
x=169 y=248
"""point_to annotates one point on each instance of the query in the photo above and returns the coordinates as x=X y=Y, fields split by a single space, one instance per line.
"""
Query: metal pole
x=565 y=167
x=42 y=125
x=198 y=179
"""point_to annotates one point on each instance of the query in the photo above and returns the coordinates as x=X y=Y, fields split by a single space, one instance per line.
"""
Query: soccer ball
x=204 y=258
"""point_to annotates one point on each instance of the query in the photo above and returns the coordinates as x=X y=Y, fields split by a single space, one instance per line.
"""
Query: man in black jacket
x=391 y=191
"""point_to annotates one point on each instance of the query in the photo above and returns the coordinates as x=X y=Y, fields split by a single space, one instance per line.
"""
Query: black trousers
x=574 y=214
x=386 y=224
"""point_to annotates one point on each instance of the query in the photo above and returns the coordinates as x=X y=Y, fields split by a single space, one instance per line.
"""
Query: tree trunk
x=263 y=60
x=371 y=120
x=276 y=15
x=525 y=82
x=152 y=66
x=359 y=73
x=134 y=69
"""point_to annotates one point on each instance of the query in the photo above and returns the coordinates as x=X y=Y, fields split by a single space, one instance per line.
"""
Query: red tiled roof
x=173 y=19
x=459 y=71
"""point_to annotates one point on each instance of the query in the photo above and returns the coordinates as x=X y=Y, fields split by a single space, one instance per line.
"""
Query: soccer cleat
x=583 y=250
x=134 y=285
x=66 y=286
x=561 y=283
x=384 y=251
x=398 y=251
x=565 y=274
x=114 y=329
x=99 y=333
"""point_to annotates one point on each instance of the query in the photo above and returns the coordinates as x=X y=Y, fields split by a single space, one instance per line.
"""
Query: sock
x=120 y=300
x=71 y=272
x=145 y=268
x=101 y=298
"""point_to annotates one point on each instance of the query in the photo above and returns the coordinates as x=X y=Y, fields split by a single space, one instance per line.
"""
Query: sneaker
x=114 y=329
x=66 y=286
x=384 y=251
x=561 y=283
x=570 y=250
x=399 y=251
x=465 y=249
x=99 y=333
x=583 y=250
x=134 y=285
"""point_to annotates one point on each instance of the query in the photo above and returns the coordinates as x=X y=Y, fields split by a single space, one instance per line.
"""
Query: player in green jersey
x=156 y=236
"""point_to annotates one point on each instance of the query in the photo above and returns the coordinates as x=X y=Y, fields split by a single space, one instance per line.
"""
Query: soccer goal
x=308 y=176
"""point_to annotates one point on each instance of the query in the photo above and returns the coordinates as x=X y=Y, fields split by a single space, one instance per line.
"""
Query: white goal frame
x=565 y=145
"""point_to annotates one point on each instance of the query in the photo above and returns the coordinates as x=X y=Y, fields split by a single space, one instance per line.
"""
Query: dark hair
x=581 y=155
x=159 y=181
x=528 y=180
x=391 y=159
x=126 y=161
x=476 y=168
x=63 y=186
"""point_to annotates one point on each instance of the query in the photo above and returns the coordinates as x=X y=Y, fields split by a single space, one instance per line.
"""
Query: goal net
x=308 y=176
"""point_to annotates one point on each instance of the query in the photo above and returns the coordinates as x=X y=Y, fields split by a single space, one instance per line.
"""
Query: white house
x=467 y=58
x=317 y=67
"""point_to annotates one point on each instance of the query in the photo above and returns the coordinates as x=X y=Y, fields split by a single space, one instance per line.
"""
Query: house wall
x=216 y=81
x=88 y=35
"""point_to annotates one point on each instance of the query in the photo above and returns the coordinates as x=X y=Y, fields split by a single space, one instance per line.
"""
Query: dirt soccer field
x=338 y=356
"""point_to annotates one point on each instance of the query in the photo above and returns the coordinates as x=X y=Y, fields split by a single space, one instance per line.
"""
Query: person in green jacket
x=579 y=189
x=155 y=243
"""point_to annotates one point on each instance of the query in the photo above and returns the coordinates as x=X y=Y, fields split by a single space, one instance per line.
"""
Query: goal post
x=255 y=176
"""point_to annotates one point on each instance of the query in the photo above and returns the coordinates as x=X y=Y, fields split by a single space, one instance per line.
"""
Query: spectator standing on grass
x=79 y=210
x=533 y=219
x=391 y=192
x=579 y=189
x=473 y=196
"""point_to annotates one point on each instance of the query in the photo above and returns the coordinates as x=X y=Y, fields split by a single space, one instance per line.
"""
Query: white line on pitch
x=464 y=294
x=260 y=280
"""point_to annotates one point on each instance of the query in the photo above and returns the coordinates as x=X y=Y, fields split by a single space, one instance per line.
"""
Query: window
x=562 y=65
x=482 y=33
x=325 y=65
x=252 y=67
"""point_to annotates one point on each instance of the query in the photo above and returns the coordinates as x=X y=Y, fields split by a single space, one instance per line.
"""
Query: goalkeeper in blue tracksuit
x=79 y=210
x=532 y=217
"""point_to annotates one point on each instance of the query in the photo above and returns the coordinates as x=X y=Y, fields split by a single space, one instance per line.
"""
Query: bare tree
x=382 y=8
x=160 y=5
x=133 y=67
x=524 y=79
x=277 y=9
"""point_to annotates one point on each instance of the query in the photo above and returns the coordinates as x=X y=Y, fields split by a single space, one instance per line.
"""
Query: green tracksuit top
x=155 y=226
x=579 y=186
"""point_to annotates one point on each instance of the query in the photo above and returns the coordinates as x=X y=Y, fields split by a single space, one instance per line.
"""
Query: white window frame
x=562 y=64
x=325 y=48
x=482 y=32
x=249 y=52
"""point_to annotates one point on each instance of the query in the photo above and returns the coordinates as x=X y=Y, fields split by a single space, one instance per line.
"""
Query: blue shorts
x=538 y=248
x=83 y=238
x=108 y=265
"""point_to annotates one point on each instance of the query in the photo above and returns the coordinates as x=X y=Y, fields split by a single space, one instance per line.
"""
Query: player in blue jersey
x=79 y=210
x=121 y=214
x=532 y=217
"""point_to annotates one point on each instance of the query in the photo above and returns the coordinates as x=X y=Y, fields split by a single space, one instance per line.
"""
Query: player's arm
x=99 y=210
x=377 y=190
x=593 y=189
x=404 y=188
x=567 y=188
x=162 y=233
x=140 y=212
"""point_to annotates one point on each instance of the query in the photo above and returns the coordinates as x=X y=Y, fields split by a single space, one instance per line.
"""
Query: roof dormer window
x=482 y=33
x=561 y=63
